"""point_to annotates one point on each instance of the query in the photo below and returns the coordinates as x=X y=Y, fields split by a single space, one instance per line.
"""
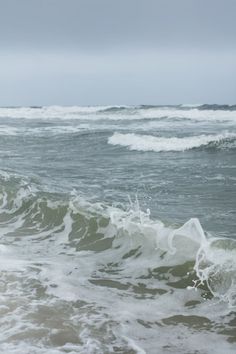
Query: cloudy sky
x=90 y=52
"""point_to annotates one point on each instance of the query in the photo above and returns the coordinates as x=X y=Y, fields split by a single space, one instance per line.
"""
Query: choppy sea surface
x=117 y=229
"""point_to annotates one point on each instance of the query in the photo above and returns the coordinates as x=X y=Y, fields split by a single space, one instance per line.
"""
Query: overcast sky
x=91 y=52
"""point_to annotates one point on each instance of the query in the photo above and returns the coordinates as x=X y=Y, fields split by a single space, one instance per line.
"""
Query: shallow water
x=118 y=229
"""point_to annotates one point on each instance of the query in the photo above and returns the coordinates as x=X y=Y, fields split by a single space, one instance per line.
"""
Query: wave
x=200 y=113
x=207 y=106
x=125 y=242
x=215 y=107
x=50 y=112
x=43 y=131
x=160 y=144
x=190 y=113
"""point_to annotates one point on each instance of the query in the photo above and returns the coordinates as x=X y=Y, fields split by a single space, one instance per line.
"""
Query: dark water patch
x=195 y=322
x=216 y=107
x=115 y=109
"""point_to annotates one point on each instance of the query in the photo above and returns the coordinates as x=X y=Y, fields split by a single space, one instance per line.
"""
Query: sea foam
x=158 y=144
x=120 y=113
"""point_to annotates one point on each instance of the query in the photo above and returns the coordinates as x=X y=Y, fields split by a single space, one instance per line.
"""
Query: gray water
x=118 y=229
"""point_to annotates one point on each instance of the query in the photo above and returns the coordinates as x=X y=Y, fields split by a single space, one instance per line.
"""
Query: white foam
x=158 y=144
x=129 y=113
x=50 y=112
x=42 y=131
x=68 y=276
x=189 y=114
x=214 y=257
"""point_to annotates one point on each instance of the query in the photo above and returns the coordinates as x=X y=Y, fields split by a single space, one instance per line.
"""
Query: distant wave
x=190 y=112
x=114 y=109
x=50 y=112
x=214 y=107
x=43 y=131
x=221 y=107
x=158 y=144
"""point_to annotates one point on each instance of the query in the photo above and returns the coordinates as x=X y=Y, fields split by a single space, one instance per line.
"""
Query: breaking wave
x=126 y=242
x=159 y=144
x=196 y=113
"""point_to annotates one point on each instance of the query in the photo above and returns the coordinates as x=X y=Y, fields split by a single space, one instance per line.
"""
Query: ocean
x=117 y=229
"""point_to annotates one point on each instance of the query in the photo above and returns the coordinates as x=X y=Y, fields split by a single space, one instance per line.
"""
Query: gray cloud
x=94 y=24
x=126 y=51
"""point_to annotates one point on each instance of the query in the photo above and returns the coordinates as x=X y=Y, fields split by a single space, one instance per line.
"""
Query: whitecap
x=158 y=144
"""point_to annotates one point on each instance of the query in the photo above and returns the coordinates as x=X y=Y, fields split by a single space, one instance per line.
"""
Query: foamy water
x=121 y=112
x=118 y=230
x=158 y=144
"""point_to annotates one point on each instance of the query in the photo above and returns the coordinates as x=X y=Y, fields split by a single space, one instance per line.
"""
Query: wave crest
x=125 y=241
x=211 y=113
x=159 y=144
